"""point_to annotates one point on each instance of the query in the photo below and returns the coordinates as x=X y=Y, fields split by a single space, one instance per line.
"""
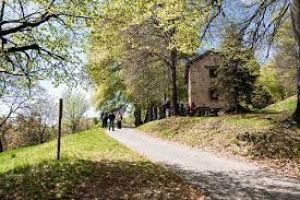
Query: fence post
x=59 y=127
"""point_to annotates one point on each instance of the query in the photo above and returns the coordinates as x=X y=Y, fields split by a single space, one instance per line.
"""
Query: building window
x=213 y=94
x=212 y=73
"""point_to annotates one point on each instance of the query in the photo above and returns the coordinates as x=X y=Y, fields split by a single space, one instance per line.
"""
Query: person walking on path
x=119 y=120
x=104 y=120
x=111 y=118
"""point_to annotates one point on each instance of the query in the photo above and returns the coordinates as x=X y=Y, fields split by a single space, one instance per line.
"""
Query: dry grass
x=254 y=136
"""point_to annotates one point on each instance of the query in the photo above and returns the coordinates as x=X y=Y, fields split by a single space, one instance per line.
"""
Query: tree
x=105 y=72
x=35 y=108
x=42 y=116
x=281 y=10
x=268 y=82
x=166 y=31
x=285 y=60
x=75 y=105
x=238 y=72
x=260 y=23
x=10 y=104
x=35 y=38
x=296 y=27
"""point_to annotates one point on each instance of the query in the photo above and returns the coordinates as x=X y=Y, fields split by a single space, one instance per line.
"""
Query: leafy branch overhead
x=143 y=35
x=36 y=37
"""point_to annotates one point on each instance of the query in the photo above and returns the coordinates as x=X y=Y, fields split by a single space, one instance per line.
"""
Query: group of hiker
x=108 y=120
x=188 y=110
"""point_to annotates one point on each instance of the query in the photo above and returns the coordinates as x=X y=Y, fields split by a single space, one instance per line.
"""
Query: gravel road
x=217 y=177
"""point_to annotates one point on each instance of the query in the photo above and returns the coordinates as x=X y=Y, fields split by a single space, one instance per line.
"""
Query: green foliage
x=96 y=120
x=75 y=105
x=148 y=84
x=106 y=74
x=268 y=81
x=238 y=72
x=140 y=36
x=277 y=79
x=285 y=61
x=119 y=17
x=36 y=43
x=260 y=97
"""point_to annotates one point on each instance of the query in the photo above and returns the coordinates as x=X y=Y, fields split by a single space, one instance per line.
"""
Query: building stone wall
x=200 y=82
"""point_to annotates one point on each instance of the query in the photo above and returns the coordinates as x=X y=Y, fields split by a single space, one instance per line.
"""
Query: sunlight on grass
x=257 y=135
x=288 y=105
x=93 y=166
x=92 y=145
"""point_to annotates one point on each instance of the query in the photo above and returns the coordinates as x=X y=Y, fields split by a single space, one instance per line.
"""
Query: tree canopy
x=160 y=32
x=41 y=39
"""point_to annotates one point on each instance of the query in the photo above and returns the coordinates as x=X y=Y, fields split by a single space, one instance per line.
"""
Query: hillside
x=286 y=106
x=93 y=166
x=259 y=137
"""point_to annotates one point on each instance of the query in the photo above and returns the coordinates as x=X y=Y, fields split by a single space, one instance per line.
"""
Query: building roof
x=196 y=58
x=201 y=56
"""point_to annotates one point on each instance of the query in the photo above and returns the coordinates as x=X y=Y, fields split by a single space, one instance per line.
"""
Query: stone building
x=201 y=73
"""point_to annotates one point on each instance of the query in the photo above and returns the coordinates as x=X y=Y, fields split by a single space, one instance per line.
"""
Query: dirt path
x=218 y=178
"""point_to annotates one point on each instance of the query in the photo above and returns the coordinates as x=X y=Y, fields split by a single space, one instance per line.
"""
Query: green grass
x=89 y=145
x=92 y=166
x=287 y=105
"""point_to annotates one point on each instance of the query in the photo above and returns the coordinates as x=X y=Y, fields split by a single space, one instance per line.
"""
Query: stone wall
x=200 y=82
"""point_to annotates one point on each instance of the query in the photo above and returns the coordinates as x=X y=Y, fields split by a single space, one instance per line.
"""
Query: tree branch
x=26 y=24
x=22 y=48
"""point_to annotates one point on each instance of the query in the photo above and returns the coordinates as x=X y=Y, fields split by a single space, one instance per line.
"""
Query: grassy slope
x=259 y=136
x=288 y=106
x=92 y=166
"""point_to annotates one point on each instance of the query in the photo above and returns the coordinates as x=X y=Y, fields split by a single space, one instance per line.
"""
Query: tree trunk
x=137 y=116
x=295 y=8
x=155 y=112
x=235 y=101
x=1 y=145
x=148 y=115
x=173 y=69
x=73 y=127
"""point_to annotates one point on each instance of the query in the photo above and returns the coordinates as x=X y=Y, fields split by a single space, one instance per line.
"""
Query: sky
x=57 y=92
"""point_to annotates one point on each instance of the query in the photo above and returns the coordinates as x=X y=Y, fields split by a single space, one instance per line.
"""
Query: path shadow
x=245 y=185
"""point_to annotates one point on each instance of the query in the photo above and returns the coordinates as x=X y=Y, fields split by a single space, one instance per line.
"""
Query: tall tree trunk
x=295 y=8
x=73 y=127
x=155 y=112
x=137 y=116
x=1 y=145
x=235 y=101
x=174 y=58
x=148 y=115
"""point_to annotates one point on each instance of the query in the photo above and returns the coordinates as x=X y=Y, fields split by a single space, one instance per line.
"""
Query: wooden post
x=59 y=127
